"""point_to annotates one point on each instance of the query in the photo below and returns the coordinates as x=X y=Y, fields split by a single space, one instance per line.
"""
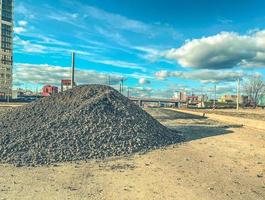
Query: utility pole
x=109 y=79
x=73 y=71
x=238 y=93
x=121 y=85
x=36 y=90
x=214 y=103
x=202 y=99
x=8 y=94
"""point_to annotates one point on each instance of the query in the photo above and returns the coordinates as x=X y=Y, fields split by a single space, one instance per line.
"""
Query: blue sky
x=158 y=46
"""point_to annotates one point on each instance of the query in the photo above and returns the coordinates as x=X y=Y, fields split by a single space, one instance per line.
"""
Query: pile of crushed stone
x=87 y=122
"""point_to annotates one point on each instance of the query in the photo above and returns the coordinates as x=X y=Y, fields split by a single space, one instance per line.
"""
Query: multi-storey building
x=182 y=96
x=6 y=47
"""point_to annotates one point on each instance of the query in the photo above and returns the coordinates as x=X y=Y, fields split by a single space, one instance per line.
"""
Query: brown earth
x=217 y=161
x=249 y=113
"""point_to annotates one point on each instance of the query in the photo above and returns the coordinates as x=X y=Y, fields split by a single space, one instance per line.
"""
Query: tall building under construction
x=6 y=47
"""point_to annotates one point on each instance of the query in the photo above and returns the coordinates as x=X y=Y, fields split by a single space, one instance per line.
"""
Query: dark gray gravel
x=92 y=121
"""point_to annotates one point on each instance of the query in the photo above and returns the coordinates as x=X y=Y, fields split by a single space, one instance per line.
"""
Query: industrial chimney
x=73 y=71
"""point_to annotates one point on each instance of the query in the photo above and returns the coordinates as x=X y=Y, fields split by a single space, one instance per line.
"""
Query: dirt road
x=249 y=113
x=217 y=161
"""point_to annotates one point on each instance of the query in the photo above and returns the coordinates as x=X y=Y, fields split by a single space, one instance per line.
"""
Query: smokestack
x=73 y=70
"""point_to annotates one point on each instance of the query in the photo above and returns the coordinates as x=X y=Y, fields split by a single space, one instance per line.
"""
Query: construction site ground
x=216 y=161
x=249 y=113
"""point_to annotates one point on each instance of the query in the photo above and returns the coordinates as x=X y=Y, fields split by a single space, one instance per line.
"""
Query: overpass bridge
x=140 y=101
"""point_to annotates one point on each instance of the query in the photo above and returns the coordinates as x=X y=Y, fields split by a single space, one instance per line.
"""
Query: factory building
x=6 y=47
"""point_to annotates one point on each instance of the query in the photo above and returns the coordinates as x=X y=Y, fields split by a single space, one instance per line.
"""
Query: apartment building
x=6 y=47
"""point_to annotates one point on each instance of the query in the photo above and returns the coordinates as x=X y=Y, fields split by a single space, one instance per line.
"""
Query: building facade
x=6 y=47
x=66 y=84
x=233 y=99
x=181 y=96
x=49 y=90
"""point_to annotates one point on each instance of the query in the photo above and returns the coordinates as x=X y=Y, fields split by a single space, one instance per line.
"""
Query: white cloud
x=40 y=47
x=205 y=76
x=147 y=53
x=168 y=92
x=115 y=20
x=112 y=23
x=42 y=74
x=48 y=74
x=144 y=81
x=22 y=23
x=221 y=90
x=112 y=35
x=21 y=9
x=221 y=51
x=141 y=91
x=119 y=64
x=146 y=92
x=137 y=75
x=43 y=39
x=19 y=30
x=27 y=47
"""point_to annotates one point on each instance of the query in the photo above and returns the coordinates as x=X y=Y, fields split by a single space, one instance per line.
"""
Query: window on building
x=7 y=14
x=6 y=40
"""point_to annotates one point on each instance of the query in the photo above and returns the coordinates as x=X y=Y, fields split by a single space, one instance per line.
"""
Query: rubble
x=87 y=122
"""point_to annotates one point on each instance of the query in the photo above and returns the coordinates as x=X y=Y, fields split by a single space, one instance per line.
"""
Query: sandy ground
x=12 y=104
x=217 y=161
x=250 y=113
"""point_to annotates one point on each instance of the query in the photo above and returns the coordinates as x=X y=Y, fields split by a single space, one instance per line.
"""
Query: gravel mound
x=88 y=122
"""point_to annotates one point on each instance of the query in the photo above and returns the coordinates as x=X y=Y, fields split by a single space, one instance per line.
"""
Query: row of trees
x=254 y=87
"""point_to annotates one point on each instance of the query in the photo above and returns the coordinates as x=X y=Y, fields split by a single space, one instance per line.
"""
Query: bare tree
x=254 y=87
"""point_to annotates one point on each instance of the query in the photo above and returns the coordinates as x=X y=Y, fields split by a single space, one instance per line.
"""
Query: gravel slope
x=92 y=121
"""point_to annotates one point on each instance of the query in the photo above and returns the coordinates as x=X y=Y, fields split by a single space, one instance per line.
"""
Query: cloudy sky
x=158 y=46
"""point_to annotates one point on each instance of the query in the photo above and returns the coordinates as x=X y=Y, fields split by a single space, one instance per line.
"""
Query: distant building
x=243 y=99
x=262 y=100
x=181 y=96
x=6 y=47
x=25 y=93
x=66 y=85
x=193 y=99
x=14 y=94
x=233 y=99
x=18 y=93
x=202 y=98
x=228 y=98
x=49 y=90
x=201 y=104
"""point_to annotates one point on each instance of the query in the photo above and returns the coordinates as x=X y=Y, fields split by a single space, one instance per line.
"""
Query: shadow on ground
x=172 y=115
x=192 y=127
x=194 y=132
